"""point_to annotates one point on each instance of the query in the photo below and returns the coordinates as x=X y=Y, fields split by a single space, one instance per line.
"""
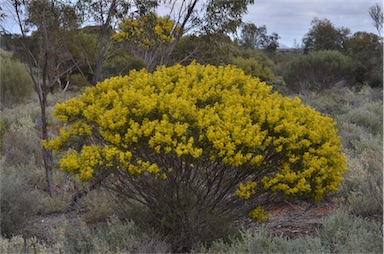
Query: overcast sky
x=291 y=19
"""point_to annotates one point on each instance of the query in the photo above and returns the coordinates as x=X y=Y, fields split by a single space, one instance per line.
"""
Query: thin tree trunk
x=47 y=155
x=42 y=92
x=92 y=185
x=179 y=34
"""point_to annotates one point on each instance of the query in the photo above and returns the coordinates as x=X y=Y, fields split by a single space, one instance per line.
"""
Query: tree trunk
x=92 y=185
x=180 y=33
x=47 y=155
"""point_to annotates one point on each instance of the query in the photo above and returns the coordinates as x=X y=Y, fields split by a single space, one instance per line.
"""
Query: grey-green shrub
x=346 y=233
x=369 y=116
x=362 y=185
x=255 y=67
x=16 y=84
x=259 y=241
x=318 y=71
x=19 y=201
x=116 y=236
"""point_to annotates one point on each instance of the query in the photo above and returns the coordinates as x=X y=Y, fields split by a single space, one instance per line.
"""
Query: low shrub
x=259 y=241
x=255 y=68
x=346 y=233
x=115 y=236
x=16 y=84
x=21 y=146
x=362 y=186
x=368 y=116
x=198 y=146
x=318 y=71
x=19 y=201
x=342 y=232
x=78 y=80
x=122 y=65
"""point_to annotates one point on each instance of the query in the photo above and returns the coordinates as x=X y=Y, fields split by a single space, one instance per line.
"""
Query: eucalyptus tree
x=46 y=58
x=193 y=18
x=323 y=35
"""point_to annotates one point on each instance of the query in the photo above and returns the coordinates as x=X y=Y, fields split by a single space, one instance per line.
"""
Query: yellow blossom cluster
x=198 y=114
x=258 y=214
x=245 y=191
x=146 y=31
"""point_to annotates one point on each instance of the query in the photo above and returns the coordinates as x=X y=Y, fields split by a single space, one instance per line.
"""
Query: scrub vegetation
x=158 y=141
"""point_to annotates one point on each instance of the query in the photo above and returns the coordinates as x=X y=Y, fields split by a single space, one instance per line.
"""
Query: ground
x=290 y=219
x=299 y=219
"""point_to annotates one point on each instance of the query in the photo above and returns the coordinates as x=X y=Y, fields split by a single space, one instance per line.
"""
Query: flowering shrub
x=187 y=140
x=146 y=31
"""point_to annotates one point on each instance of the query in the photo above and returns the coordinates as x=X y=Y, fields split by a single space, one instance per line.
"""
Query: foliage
x=149 y=35
x=341 y=233
x=16 y=84
x=214 y=49
x=21 y=142
x=198 y=135
x=359 y=116
x=122 y=64
x=363 y=183
x=324 y=36
x=256 y=38
x=259 y=241
x=318 y=71
x=115 y=237
x=222 y=16
x=146 y=31
x=19 y=201
x=346 y=233
x=367 y=50
x=376 y=13
x=255 y=68
x=78 y=80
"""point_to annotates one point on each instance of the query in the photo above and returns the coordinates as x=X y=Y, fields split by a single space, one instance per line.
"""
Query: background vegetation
x=84 y=217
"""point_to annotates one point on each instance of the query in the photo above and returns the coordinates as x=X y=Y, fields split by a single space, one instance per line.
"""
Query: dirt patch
x=298 y=219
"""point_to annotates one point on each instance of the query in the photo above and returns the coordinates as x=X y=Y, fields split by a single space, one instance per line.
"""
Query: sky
x=291 y=19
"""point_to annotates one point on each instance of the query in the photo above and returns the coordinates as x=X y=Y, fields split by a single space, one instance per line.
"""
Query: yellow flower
x=198 y=115
x=259 y=214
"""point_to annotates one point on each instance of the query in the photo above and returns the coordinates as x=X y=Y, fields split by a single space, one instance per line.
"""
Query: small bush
x=368 y=116
x=362 y=186
x=16 y=84
x=255 y=68
x=19 y=201
x=78 y=80
x=346 y=233
x=318 y=71
x=198 y=146
x=122 y=65
x=22 y=145
x=115 y=236
x=259 y=241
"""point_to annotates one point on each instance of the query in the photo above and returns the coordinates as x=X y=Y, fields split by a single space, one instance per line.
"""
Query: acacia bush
x=317 y=71
x=197 y=146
